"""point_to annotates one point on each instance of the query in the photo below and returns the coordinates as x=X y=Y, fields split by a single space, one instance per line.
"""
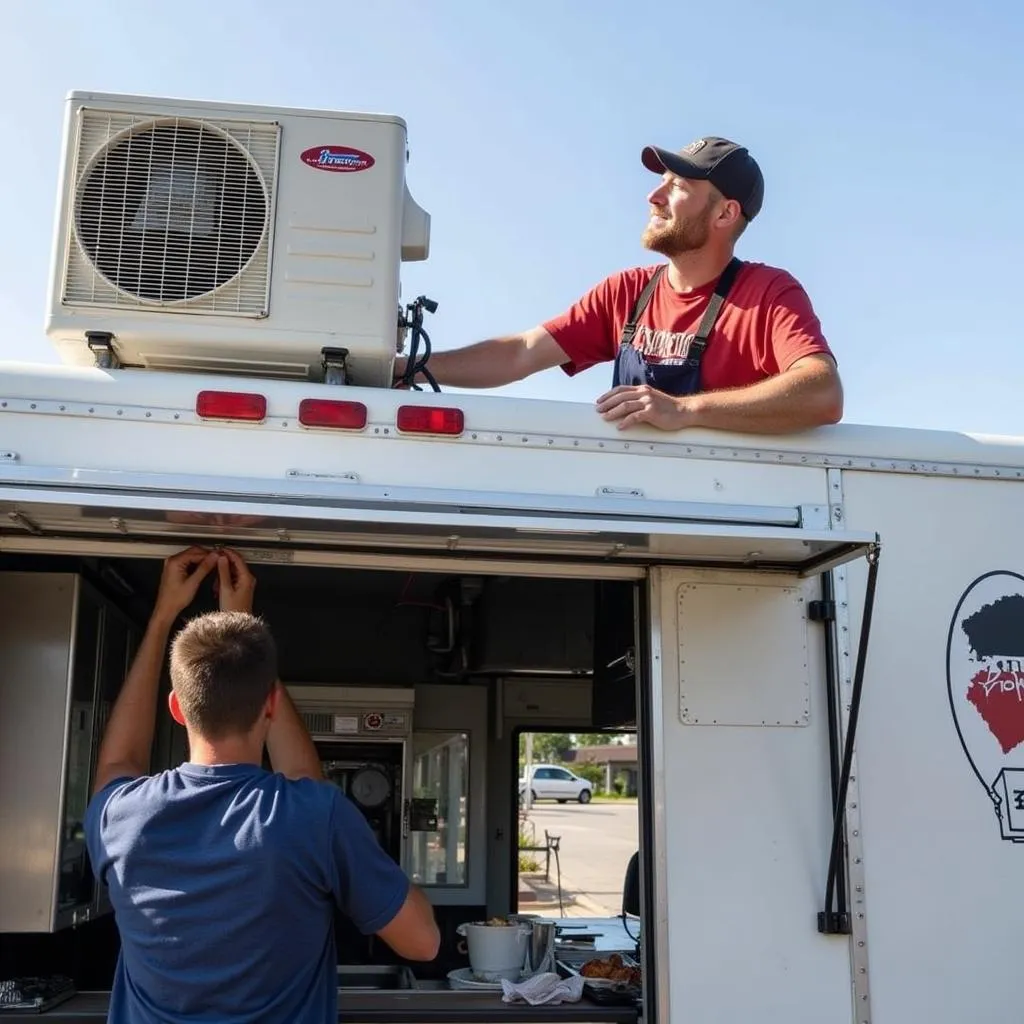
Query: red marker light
x=325 y=412
x=231 y=405
x=426 y=419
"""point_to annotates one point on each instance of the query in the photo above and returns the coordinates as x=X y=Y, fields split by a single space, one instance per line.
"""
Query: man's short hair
x=223 y=668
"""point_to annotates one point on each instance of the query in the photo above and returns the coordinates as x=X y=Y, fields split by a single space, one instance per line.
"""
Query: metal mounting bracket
x=335 y=365
x=101 y=344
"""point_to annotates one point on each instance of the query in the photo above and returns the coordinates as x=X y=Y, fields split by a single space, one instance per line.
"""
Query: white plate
x=462 y=978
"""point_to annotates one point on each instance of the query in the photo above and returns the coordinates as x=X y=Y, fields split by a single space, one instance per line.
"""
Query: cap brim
x=658 y=161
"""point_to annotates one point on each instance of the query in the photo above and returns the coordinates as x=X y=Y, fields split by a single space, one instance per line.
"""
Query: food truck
x=818 y=640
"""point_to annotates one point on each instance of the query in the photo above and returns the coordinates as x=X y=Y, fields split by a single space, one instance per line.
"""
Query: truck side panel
x=747 y=817
x=943 y=869
x=265 y=454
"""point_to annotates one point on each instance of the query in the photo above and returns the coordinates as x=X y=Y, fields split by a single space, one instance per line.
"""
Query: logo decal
x=694 y=147
x=337 y=158
x=985 y=679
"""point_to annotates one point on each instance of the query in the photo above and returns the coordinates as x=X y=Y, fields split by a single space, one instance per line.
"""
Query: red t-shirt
x=764 y=326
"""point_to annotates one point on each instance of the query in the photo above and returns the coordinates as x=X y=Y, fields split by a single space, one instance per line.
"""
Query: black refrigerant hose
x=416 y=365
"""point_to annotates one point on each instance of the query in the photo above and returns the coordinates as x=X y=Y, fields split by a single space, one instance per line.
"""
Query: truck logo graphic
x=336 y=158
x=985 y=680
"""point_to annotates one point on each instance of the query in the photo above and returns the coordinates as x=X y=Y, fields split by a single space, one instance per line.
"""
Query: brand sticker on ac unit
x=336 y=158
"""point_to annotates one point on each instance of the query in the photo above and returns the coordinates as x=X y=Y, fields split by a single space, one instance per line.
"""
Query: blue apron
x=672 y=378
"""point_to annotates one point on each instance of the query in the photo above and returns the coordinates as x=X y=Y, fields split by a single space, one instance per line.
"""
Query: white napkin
x=543 y=988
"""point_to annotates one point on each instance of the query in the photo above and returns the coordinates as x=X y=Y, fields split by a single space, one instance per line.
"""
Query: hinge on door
x=822 y=611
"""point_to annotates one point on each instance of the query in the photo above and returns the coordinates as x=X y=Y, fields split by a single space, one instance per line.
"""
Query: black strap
x=700 y=341
x=725 y=282
x=641 y=304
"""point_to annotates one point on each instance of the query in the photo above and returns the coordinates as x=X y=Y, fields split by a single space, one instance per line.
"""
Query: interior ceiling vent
x=172 y=212
x=318 y=724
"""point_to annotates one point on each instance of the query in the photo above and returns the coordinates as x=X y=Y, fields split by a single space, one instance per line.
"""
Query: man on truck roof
x=705 y=340
x=224 y=876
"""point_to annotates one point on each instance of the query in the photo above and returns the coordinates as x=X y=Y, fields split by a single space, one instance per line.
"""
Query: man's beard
x=674 y=239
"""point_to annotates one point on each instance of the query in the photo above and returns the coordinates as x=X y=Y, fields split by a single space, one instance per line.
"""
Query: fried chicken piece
x=601 y=968
x=611 y=968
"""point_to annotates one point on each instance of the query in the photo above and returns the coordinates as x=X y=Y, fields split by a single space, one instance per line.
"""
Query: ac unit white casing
x=231 y=238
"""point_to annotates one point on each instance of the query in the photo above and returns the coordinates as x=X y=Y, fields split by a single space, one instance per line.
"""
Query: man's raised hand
x=183 y=573
x=235 y=584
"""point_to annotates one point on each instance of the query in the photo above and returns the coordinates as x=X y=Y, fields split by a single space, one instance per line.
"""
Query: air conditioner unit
x=212 y=237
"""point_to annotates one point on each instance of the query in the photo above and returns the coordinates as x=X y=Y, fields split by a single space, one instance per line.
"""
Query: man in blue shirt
x=224 y=877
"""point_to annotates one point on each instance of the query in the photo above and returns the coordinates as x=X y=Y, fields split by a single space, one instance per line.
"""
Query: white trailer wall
x=943 y=888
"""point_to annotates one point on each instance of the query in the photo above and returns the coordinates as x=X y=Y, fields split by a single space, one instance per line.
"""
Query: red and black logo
x=343 y=159
x=985 y=678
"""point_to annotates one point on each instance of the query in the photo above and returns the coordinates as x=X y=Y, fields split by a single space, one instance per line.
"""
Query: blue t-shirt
x=224 y=880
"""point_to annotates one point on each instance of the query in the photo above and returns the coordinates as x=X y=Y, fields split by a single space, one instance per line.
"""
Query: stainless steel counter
x=426 y=1005
x=369 y=994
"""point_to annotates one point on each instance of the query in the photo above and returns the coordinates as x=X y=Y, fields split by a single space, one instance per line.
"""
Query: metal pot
x=496 y=951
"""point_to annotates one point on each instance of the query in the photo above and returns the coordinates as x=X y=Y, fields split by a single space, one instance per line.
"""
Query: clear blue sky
x=891 y=135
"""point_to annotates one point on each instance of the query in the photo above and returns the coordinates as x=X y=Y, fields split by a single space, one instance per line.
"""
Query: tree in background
x=599 y=739
x=593 y=773
x=549 y=747
x=552 y=747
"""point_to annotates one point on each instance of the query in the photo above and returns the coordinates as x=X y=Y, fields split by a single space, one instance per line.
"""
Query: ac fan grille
x=172 y=212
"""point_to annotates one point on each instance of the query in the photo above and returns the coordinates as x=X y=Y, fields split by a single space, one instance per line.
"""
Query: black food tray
x=602 y=995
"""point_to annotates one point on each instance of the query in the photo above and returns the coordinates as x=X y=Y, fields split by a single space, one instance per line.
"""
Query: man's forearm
x=494 y=363
x=128 y=740
x=780 y=405
x=291 y=750
x=486 y=364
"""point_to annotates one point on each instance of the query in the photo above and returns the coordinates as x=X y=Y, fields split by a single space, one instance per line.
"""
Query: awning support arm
x=824 y=611
x=835 y=918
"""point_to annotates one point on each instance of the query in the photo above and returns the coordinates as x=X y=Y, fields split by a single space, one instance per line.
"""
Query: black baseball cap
x=728 y=166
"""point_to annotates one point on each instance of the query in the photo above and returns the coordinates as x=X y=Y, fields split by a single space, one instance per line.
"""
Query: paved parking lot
x=597 y=841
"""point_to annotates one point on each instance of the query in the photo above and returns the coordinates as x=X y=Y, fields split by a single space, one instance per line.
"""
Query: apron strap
x=725 y=282
x=641 y=304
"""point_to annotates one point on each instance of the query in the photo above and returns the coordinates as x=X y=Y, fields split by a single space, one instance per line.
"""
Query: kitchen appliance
x=496 y=950
x=540 y=952
x=66 y=651
x=362 y=736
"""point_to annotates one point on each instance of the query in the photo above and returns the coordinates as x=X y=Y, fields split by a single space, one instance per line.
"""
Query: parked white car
x=553 y=782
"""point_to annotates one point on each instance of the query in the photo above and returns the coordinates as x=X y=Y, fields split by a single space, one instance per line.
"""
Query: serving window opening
x=421 y=691
x=578 y=821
